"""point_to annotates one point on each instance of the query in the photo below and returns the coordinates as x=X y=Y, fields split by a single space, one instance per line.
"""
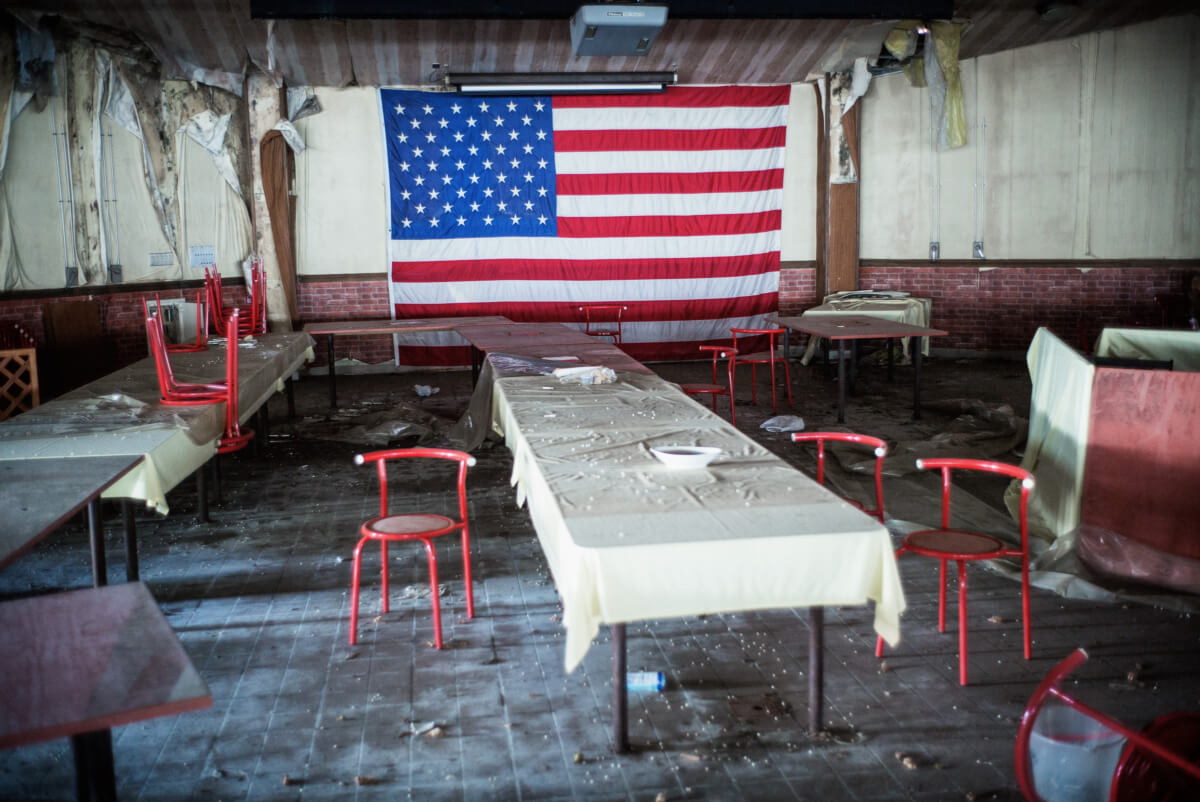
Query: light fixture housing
x=559 y=83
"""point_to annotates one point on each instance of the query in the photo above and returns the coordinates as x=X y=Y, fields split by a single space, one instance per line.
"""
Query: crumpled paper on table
x=585 y=374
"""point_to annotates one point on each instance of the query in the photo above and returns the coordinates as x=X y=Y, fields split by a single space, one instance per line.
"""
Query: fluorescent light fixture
x=559 y=83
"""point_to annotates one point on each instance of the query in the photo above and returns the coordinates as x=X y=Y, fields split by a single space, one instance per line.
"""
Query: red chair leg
x=732 y=410
x=466 y=550
x=354 y=577
x=942 y=599
x=788 y=377
x=433 y=587
x=1025 y=618
x=774 y=407
x=962 y=622
x=383 y=572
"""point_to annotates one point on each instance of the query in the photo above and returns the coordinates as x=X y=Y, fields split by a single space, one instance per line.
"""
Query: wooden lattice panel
x=18 y=381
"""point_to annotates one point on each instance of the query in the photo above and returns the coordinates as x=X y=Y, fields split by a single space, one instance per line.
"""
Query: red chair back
x=879 y=446
x=603 y=316
x=948 y=464
x=380 y=459
x=235 y=438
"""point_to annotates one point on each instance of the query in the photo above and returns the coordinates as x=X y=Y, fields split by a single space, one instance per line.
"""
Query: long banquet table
x=628 y=539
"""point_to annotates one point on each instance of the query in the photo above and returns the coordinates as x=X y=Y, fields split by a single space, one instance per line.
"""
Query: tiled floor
x=260 y=598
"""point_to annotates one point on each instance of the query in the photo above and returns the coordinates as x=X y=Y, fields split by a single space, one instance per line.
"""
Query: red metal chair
x=254 y=315
x=605 y=316
x=173 y=392
x=201 y=342
x=768 y=357
x=716 y=388
x=963 y=546
x=235 y=438
x=880 y=449
x=413 y=526
x=1161 y=762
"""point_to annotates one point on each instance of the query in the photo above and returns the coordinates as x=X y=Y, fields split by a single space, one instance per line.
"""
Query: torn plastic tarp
x=207 y=129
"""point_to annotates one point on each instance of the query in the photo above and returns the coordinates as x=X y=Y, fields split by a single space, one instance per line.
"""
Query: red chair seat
x=414 y=525
x=705 y=388
x=955 y=544
x=762 y=357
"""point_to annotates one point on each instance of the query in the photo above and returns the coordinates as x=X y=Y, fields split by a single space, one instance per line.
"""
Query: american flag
x=532 y=206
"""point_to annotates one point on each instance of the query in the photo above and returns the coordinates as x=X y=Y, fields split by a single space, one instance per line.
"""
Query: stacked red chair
x=201 y=341
x=253 y=319
x=769 y=357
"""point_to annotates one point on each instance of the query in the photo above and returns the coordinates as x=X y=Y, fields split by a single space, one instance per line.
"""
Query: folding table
x=78 y=663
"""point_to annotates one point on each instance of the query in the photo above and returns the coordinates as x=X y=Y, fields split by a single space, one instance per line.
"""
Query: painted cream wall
x=212 y=213
x=799 y=217
x=341 y=213
x=1090 y=150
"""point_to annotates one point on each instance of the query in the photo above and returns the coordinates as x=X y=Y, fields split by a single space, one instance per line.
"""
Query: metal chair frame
x=877 y=445
x=590 y=309
x=376 y=529
x=716 y=388
x=963 y=546
x=770 y=357
x=1140 y=770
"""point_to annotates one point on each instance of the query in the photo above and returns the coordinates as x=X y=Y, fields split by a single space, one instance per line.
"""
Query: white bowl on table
x=685 y=457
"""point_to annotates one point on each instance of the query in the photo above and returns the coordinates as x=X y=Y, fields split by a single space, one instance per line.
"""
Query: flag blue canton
x=469 y=167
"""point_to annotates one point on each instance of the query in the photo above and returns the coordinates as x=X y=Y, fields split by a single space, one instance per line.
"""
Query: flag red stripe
x=698 y=225
x=670 y=140
x=705 y=97
x=535 y=311
x=668 y=183
x=585 y=269
x=460 y=356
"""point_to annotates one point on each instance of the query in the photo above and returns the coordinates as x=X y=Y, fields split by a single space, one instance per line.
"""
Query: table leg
x=476 y=365
x=891 y=341
x=95 y=780
x=202 y=494
x=332 y=372
x=131 y=555
x=96 y=537
x=290 y=384
x=841 y=381
x=620 y=695
x=915 y=345
x=816 y=668
x=216 y=469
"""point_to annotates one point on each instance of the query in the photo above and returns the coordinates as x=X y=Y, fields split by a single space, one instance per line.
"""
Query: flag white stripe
x=669 y=118
x=648 y=331
x=614 y=248
x=603 y=162
x=669 y=204
x=512 y=291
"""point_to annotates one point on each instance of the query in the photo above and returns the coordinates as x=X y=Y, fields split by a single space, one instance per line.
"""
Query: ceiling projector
x=616 y=29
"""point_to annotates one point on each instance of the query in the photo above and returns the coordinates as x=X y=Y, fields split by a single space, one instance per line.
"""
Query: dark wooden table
x=38 y=495
x=332 y=328
x=75 y=664
x=842 y=328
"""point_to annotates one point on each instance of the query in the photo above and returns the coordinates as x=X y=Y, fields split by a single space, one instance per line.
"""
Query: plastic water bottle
x=645 y=681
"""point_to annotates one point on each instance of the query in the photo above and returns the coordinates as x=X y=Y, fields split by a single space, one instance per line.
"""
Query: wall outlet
x=935 y=251
x=977 y=249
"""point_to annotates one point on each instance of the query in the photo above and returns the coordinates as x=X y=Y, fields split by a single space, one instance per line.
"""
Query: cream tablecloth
x=904 y=310
x=120 y=414
x=628 y=539
x=1180 y=346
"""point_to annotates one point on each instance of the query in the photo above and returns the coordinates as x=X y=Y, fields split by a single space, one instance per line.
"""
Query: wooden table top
x=86 y=660
x=855 y=327
x=326 y=327
x=38 y=495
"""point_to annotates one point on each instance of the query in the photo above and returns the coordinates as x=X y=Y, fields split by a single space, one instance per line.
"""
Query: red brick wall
x=990 y=310
x=348 y=299
x=1000 y=309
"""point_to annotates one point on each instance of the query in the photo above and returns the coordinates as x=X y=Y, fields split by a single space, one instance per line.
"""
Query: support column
x=266 y=105
x=837 y=237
